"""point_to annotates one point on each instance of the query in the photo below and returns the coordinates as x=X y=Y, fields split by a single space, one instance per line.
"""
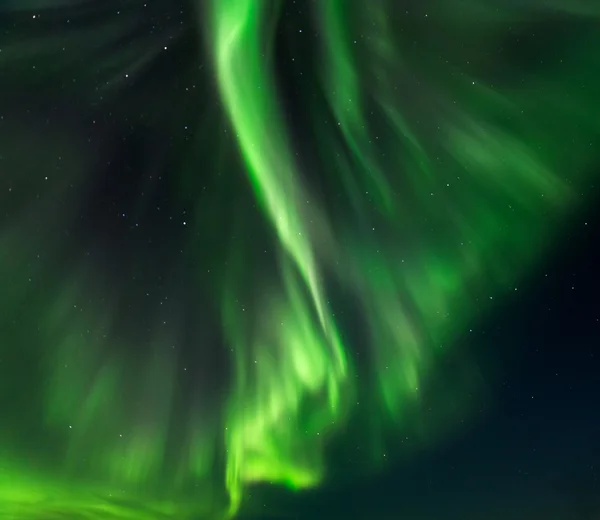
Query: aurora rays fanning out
x=236 y=235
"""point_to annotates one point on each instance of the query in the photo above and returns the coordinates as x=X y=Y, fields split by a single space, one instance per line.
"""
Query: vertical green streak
x=249 y=93
x=289 y=370
x=344 y=92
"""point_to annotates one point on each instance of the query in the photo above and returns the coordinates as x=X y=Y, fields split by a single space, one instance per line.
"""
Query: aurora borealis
x=245 y=244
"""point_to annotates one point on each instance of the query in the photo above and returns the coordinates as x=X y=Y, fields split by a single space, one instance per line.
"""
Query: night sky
x=322 y=259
